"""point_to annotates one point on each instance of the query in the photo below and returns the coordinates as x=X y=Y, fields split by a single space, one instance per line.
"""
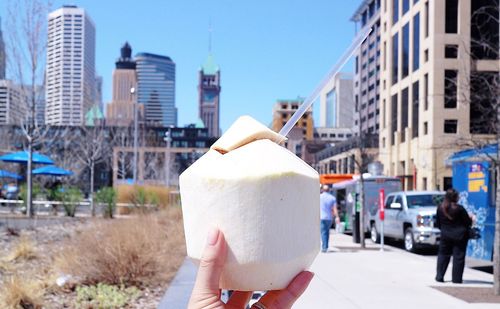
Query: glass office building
x=156 y=88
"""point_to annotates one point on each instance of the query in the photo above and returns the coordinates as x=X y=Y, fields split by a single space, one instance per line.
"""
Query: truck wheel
x=409 y=240
x=374 y=236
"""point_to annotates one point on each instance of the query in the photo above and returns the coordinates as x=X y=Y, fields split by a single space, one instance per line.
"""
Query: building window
x=395 y=59
x=427 y=19
x=424 y=183
x=404 y=114
x=451 y=16
x=450 y=126
x=482 y=107
x=416 y=42
x=447 y=183
x=383 y=114
x=406 y=50
x=395 y=11
x=451 y=51
x=426 y=92
x=406 y=6
x=426 y=128
x=484 y=29
x=356 y=64
x=415 y=110
x=383 y=142
x=394 y=116
x=384 y=48
x=450 y=88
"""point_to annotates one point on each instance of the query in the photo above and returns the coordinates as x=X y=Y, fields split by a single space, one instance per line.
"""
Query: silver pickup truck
x=410 y=216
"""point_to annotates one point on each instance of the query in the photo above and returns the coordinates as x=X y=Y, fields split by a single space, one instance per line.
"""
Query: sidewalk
x=348 y=278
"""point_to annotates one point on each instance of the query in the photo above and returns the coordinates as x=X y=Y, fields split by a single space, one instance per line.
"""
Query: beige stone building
x=432 y=59
x=120 y=111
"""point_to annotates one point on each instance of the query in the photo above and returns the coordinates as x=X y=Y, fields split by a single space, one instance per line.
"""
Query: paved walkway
x=348 y=278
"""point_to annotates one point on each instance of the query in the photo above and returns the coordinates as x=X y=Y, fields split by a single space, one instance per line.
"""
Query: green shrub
x=107 y=196
x=70 y=197
x=105 y=296
x=142 y=198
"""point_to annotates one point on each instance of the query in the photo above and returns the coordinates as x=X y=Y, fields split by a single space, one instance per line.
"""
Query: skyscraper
x=209 y=96
x=367 y=69
x=121 y=110
x=2 y=54
x=12 y=103
x=70 y=77
x=156 y=88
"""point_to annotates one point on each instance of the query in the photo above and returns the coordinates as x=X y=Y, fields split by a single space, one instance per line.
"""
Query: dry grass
x=24 y=250
x=19 y=293
x=125 y=194
x=138 y=251
x=5 y=267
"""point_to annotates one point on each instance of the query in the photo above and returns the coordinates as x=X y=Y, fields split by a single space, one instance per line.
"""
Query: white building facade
x=70 y=76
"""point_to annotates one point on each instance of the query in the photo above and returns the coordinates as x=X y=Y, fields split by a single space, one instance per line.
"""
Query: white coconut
x=266 y=202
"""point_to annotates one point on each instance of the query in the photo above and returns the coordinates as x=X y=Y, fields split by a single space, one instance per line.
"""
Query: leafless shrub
x=137 y=251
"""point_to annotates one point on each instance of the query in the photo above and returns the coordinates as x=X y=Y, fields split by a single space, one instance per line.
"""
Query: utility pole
x=134 y=165
x=168 y=139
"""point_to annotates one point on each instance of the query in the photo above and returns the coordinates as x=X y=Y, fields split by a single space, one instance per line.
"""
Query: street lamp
x=168 y=139
x=134 y=166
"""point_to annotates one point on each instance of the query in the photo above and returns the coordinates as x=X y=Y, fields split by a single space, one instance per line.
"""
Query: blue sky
x=266 y=49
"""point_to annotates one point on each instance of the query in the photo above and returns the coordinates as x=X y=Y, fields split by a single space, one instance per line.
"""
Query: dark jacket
x=455 y=228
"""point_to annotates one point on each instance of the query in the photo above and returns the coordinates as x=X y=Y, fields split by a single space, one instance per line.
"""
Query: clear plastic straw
x=362 y=35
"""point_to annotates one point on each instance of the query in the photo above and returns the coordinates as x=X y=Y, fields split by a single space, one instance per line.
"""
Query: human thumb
x=211 y=263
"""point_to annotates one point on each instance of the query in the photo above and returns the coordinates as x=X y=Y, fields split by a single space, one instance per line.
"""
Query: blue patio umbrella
x=52 y=170
x=6 y=174
x=22 y=157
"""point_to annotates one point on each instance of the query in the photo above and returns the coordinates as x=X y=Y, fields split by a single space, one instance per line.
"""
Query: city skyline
x=293 y=55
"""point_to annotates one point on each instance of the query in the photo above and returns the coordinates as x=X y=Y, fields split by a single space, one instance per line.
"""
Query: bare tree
x=26 y=44
x=93 y=147
x=123 y=137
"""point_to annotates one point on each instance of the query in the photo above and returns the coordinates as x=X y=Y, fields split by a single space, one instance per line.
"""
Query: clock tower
x=209 y=96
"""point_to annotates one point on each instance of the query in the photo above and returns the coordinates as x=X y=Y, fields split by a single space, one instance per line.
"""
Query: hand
x=337 y=220
x=206 y=292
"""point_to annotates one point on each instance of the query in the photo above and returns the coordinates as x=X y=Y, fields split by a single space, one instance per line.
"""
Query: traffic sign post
x=381 y=212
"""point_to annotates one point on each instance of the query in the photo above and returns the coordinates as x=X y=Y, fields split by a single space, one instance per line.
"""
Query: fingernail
x=213 y=234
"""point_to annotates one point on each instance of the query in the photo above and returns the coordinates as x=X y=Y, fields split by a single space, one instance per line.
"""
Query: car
x=410 y=216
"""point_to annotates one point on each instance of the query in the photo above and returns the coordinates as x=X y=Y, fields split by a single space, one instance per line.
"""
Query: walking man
x=328 y=209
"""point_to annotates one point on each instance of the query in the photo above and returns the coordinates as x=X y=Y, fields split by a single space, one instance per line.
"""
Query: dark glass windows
x=404 y=113
x=484 y=29
x=483 y=96
x=406 y=50
x=450 y=88
x=427 y=19
x=406 y=6
x=416 y=42
x=395 y=11
x=395 y=58
x=451 y=16
x=415 y=109
x=394 y=116
x=451 y=51
x=426 y=92
x=450 y=126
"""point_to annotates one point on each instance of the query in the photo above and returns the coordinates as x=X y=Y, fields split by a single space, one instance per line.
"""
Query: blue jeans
x=325 y=233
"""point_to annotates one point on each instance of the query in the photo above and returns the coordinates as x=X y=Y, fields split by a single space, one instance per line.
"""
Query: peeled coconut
x=263 y=198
